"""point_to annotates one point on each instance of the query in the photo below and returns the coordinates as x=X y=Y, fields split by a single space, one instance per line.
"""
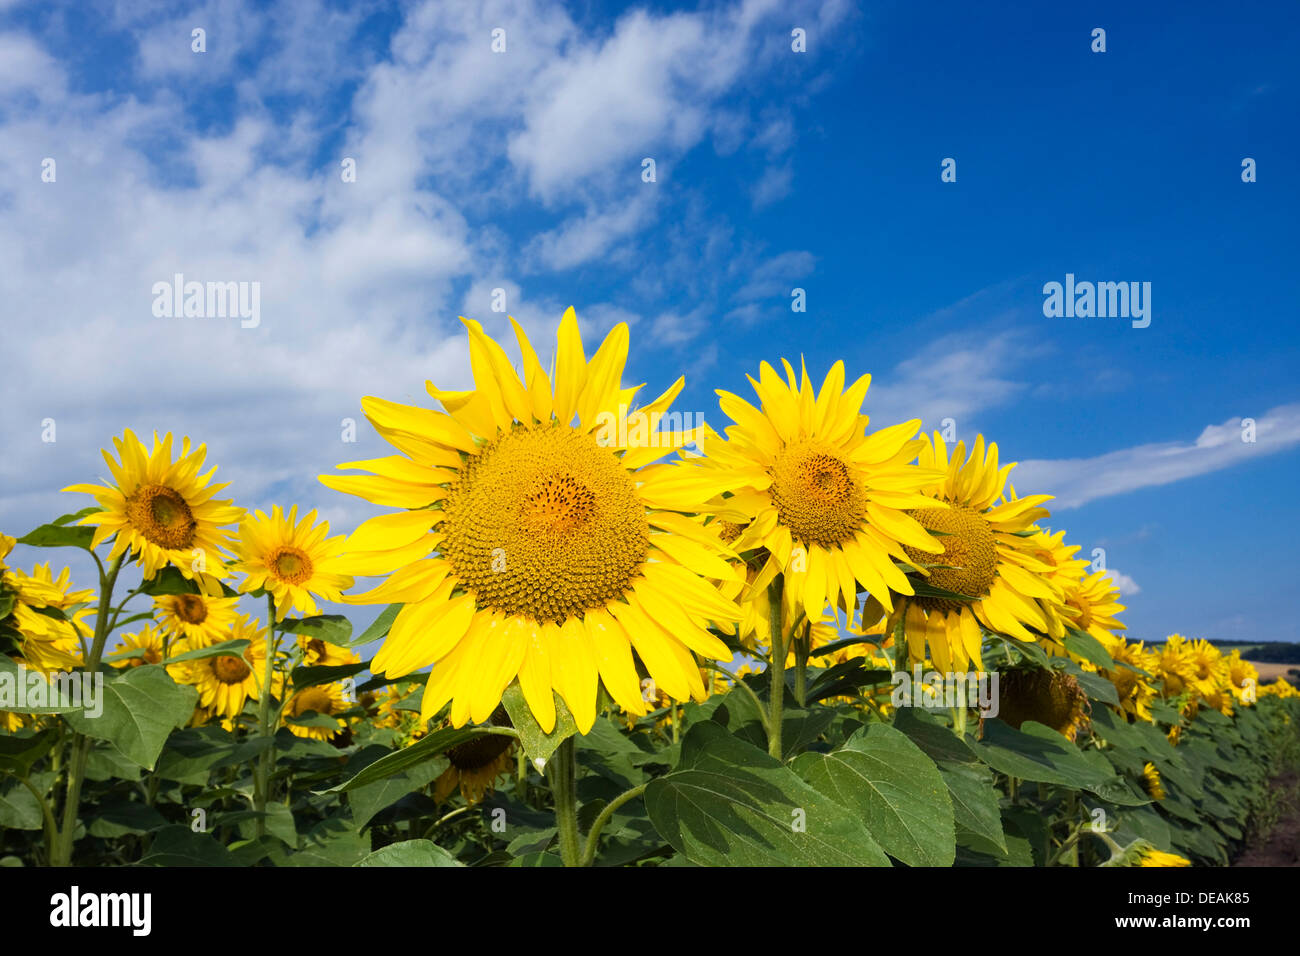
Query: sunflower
x=163 y=511
x=1211 y=674
x=198 y=618
x=318 y=653
x=1244 y=678
x=294 y=560
x=44 y=618
x=985 y=557
x=149 y=640
x=1177 y=668
x=1151 y=781
x=1280 y=688
x=1050 y=697
x=1150 y=856
x=1133 y=676
x=824 y=503
x=225 y=682
x=1061 y=571
x=1091 y=605
x=474 y=767
x=325 y=700
x=554 y=560
x=388 y=711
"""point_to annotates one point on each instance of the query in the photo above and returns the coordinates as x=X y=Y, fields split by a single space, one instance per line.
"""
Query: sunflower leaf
x=426 y=748
x=537 y=744
x=233 y=648
x=410 y=853
x=331 y=628
x=140 y=709
x=61 y=533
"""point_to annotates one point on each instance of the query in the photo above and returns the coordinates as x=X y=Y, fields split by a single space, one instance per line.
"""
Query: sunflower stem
x=593 y=838
x=776 y=670
x=266 y=759
x=61 y=852
x=802 y=645
x=563 y=771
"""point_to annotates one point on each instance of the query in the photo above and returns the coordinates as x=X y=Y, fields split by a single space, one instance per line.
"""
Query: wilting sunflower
x=1148 y=855
x=225 y=682
x=294 y=560
x=553 y=562
x=984 y=558
x=163 y=511
x=1151 y=781
x=474 y=767
x=825 y=502
x=150 y=641
x=1050 y=697
x=44 y=618
x=325 y=700
x=198 y=618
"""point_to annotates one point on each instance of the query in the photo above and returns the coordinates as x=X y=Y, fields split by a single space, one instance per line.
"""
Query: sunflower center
x=162 y=516
x=970 y=555
x=152 y=655
x=545 y=523
x=291 y=565
x=191 y=608
x=314 y=698
x=479 y=752
x=230 y=670
x=816 y=495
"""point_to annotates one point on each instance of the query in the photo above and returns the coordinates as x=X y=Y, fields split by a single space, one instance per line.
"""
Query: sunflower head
x=296 y=561
x=1151 y=781
x=162 y=510
x=322 y=700
x=539 y=542
x=201 y=619
x=1050 y=697
x=474 y=767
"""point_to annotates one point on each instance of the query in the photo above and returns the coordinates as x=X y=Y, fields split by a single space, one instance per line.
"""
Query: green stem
x=563 y=773
x=802 y=645
x=266 y=759
x=593 y=838
x=47 y=815
x=758 y=704
x=61 y=852
x=776 y=669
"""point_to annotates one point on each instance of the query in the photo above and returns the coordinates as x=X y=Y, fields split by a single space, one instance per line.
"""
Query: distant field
x=1269 y=672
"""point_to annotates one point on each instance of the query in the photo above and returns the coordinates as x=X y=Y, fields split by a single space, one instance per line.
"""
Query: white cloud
x=1077 y=481
x=1127 y=586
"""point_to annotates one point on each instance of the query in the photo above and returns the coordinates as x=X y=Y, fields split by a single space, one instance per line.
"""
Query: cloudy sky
x=522 y=170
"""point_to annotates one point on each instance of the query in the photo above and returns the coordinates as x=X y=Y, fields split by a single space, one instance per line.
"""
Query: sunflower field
x=608 y=635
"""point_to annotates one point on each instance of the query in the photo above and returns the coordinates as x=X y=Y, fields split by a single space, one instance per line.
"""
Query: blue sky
x=819 y=170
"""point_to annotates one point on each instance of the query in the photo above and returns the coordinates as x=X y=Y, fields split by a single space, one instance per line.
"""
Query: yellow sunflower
x=554 y=561
x=1151 y=781
x=198 y=618
x=45 y=617
x=984 y=557
x=225 y=682
x=163 y=511
x=1210 y=668
x=1150 y=856
x=1135 y=690
x=1177 y=668
x=325 y=700
x=294 y=560
x=1091 y=605
x=150 y=640
x=318 y=653
x=825 y=503
x=1280 y=688
x=1061 y=571
x=1244 y=677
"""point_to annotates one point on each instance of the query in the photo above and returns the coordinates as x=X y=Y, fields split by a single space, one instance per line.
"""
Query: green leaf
x=1036 y=752
x=930 y=734
x=233 y=648
x=21 y=688
x=399 y=761
x=315 y=674
x=410 y=853
x=975 y=802
x=170 y=580
x=380 y=625
x=178 y=845
x=729 y=803
x=537 y=744
x=1088 y=647
x=368 y=800
x=62 y=533
x=122 y=817
x=18 y=754
x=330 y=628
x=888 y=781
x=140 y=708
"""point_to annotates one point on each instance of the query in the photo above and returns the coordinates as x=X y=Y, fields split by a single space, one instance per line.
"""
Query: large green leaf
x=18 y=754
x=30 y=692
x=140 y=708
x=62 y=532
x=887 y=781
x=1088 y=647
x=400 y=761
x=1036 y=752
x=730 y=804
x=330 y=628
x=410 y=853
x=368 y=800
x=975 y=804
x=178 y=845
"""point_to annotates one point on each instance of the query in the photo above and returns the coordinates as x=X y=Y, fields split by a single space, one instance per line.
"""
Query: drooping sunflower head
x=198 y=618
x=295 y=560
x=987 y=573
x=162 y=511
x=1050 y=697
x=824 y=501
x=560 y=546
x=1148 y=855
x=474 y=767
